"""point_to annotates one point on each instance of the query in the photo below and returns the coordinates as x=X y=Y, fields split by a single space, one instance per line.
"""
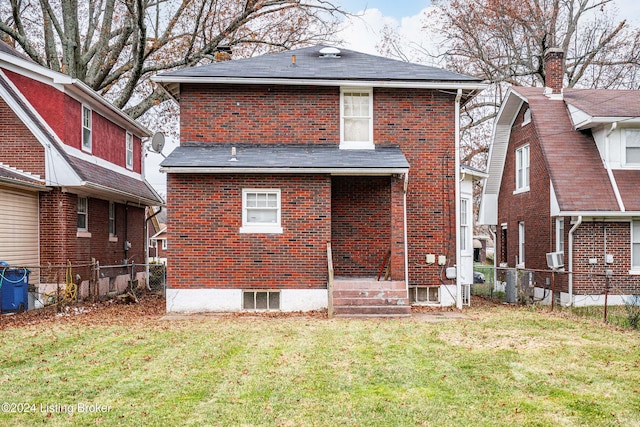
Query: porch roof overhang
x=284 y=159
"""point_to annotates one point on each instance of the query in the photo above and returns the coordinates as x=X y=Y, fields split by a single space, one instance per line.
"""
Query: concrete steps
x=370 y=298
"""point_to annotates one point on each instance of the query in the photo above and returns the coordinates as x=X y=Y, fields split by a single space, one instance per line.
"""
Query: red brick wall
x=58 y=233
x=360 y=224
x=593 y=240
x=532 y=206
x=264 y=114
x=205 y=247
x=421 y=122
x=18 y=147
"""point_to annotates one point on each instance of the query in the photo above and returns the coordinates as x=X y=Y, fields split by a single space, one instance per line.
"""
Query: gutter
x=573 y=229
x=294 y=170
x=457 y=200
x=459 y=85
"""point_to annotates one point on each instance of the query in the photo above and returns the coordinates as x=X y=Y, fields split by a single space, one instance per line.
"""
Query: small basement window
x=261 y=300
x=424 y=294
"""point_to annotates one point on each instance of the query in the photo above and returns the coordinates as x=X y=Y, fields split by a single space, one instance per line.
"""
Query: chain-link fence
x=62 y=285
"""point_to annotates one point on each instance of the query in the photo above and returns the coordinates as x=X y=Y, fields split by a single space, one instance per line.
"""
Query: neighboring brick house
x=284 y=153
x=71 y=174
x=564 y=169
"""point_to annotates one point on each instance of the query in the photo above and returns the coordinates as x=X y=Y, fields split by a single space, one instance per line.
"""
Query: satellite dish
x=157 y=142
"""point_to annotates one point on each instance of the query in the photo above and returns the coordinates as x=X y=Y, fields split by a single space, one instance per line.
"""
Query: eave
x=319 y=170
x=171 y=84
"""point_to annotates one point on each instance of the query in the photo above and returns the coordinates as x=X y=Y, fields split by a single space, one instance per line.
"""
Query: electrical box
x=431 y=258
x=451 y=272
x=593 y=261
x=442 y=260
x=609 y=259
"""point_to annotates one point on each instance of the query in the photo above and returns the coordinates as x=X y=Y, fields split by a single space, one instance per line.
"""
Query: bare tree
x=114 y=46
x=504 y=41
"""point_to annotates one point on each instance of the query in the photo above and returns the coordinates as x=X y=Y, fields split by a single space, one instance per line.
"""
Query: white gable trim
x=57 y=169
x=497 y=155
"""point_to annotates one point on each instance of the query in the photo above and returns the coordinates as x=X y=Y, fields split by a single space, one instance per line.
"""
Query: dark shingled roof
x=350 y=65
x=11 y=176
x=113 y=180
x=579 y=178
x=605 y=102
x=284 y=156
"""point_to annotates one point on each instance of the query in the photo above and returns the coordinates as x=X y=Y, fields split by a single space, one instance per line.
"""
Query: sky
x=362 y=33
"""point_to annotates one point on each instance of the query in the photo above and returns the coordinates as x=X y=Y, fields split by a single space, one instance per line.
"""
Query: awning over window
x=229 y=158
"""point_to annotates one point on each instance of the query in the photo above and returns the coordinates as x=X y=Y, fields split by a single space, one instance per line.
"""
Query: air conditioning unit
x=555 y=260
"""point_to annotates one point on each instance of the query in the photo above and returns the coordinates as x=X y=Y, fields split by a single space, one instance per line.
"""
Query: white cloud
x=362 y=31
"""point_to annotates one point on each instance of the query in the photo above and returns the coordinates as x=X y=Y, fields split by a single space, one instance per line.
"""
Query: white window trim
x=275 y=228
x=624 y=147
x=635 y=269
x=128 y=143
x=559 y=235
x=521 y=244
x=90 y=127
x=523 y=189
x=464 y=237
x=84 y=232
x=112 y=217
x=356 y=145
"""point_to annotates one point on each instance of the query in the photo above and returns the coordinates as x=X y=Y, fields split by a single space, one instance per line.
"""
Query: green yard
x=123 y=365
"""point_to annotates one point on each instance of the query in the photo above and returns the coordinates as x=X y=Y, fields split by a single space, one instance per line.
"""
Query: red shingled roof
x=578 y=175
x=604 y=102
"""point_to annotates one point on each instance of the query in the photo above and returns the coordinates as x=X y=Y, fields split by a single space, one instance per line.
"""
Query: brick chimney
x=223 y=53
x=553 y=71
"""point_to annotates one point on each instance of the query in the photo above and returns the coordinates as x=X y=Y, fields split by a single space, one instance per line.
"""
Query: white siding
x=19 y=240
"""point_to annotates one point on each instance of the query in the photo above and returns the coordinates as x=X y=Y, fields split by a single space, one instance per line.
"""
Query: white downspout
x=607 y=166
x=406 y=244
x=570 y=290
x=457 y=200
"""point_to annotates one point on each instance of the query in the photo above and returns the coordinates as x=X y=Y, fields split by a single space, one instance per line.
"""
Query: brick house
x=563 y=172
x=71 y=174
x=285 y=153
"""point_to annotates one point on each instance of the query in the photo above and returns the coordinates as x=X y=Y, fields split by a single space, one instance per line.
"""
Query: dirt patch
x=111 y=312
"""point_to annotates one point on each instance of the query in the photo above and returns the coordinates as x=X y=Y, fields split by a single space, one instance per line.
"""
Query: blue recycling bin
x=14 y=287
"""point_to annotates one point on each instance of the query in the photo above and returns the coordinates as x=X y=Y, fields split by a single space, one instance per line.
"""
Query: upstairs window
x=522 y=168
x=86 y=128
x=82 y=214
x=261 y=211
x=356 y=118
x=526 y=117
x=632 y=146
x=129 y=150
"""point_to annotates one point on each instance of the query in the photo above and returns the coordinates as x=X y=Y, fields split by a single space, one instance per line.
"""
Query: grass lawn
x=501 y=366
